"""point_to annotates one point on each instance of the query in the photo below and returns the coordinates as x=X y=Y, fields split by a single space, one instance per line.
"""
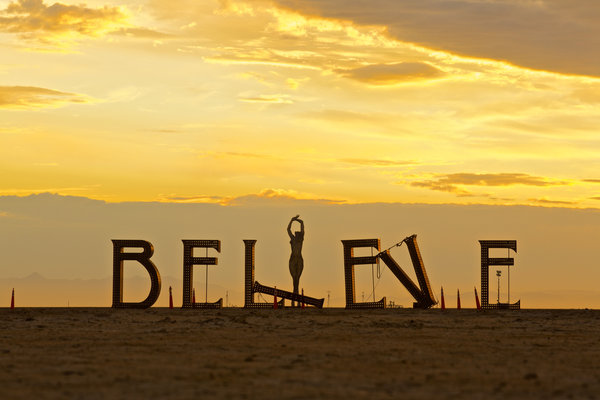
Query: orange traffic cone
x=457 y=299
x=477 y=299
x=443 y=305
x=170 y=297
x=194 y=297
x=12 y=300
x=275 y=299
x=302 y=298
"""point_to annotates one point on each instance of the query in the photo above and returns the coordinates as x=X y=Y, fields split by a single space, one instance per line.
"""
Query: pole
x=498 y=273
x=206 y=291
x=373 y=276
x=507 y=256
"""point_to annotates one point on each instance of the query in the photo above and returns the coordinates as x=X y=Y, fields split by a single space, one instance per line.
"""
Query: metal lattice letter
x=487 y=262
x=143 y=258
x=188 y=270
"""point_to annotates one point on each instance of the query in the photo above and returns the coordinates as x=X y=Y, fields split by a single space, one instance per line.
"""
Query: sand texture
x=100 y=353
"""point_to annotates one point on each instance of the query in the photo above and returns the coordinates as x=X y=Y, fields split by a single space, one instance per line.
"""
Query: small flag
x=457 y=299
x=12 y=300
x=443 y=302
x=170 y=297
x=477 y=299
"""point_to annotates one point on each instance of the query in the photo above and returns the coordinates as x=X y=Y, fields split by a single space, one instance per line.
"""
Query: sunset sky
x=113 y=111
x=429 y=101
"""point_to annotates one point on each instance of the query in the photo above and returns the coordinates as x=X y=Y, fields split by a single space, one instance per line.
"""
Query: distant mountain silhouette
x=36 y=290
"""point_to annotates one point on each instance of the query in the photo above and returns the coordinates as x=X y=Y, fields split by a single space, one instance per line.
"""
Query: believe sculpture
x=422 y=293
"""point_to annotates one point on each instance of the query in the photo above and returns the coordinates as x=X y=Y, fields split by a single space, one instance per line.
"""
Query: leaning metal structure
x=486 y=263
x=249 y=260
x=423 y=294
x=284 y=294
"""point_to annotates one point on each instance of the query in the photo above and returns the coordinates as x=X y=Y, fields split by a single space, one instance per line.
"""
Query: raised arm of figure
x=289 y=228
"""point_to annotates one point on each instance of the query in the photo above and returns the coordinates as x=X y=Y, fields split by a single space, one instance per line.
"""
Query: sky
x=292 y=102
x=487 y=102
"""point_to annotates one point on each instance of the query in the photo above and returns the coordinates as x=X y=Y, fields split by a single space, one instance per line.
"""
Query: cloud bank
x=551 y=35
x=32 y=19
x=26 y=97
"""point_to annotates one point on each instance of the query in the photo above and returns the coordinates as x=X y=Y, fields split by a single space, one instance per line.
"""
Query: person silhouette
x=296 y=261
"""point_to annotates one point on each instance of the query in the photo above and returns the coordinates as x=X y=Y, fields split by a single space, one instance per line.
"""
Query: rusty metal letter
x=188 y=273
x=143 y=258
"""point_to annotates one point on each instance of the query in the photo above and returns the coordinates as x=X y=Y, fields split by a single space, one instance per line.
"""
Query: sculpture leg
x=296 y=267
x=296 y=284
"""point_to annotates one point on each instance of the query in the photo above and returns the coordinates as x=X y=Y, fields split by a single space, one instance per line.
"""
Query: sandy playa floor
x=298 y=354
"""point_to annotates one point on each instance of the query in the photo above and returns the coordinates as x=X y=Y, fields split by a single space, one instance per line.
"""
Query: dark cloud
x=592 y=180
x=274 y=197
x=389 y=74
x=553 y=35
x=21 y=97
x=28 y=17
x=192 y=199
x=450 y=182
x=553 y=202
x=142 y=33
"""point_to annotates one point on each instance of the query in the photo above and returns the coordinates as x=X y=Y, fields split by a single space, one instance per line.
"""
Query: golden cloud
x=33 y=15
x=244 y=155
x=25 y=97
x=141 y=33
x=267 y=99
x=271 y=197
x=451 y=182
x=390 y=74
x=34 y=20
x=376 y=162
x=552 y=202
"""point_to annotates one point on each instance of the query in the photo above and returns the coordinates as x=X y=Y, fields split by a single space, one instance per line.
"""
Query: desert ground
x=102 y=353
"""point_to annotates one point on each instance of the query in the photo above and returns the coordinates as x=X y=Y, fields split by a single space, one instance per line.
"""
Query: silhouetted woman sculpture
x=296 y=261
